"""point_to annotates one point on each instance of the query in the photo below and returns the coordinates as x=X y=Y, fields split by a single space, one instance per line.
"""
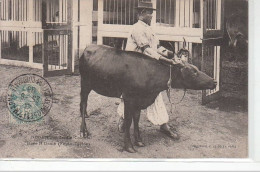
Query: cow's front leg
x=138 y=139
x=127 y=122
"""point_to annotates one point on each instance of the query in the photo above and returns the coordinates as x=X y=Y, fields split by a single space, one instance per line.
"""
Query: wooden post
x=203 y=12
x=219 y=15
x=191 y=14
x=60 y=11
x=70 y=17
x=153 y=22
x=100 y=22
x=186 y=13
x=30 y=36
x=45 y=38
x=74 y=26
x=177 y=15
x=218 y=66
x=222 y=15
x=182 y=14
x=0 y=45
x=190 y=50
x=176 y=47
x=86 y=16
x=30 y=10
x=44 y=14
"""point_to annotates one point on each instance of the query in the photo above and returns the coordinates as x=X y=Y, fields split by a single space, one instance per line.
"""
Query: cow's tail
x=82 y=64
x=83 y=61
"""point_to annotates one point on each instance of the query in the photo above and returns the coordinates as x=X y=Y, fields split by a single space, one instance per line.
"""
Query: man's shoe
x=121 y=125
x=169 y=133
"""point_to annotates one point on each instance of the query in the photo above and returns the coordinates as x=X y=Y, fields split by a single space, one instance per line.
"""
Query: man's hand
x=177 y=61
x=170 y=54
x=171 y=61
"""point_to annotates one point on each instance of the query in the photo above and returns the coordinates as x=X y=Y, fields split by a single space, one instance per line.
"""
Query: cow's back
x=112 y=71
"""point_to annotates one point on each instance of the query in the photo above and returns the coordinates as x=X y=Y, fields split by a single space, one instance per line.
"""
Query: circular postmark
x=29 y=97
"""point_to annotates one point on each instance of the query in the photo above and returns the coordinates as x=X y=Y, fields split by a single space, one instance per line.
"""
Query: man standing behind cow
x=142 y=39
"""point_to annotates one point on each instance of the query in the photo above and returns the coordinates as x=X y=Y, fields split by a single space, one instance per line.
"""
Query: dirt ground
x=217 y=130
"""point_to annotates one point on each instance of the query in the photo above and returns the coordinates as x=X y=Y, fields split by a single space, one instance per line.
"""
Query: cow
x=137 y=77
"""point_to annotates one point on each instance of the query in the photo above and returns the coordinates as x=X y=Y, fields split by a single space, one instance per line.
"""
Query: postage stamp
x=29 y=97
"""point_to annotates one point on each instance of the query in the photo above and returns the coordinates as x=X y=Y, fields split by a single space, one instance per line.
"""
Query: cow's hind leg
x=127 y=122
x=138 y=139
x=85 y=90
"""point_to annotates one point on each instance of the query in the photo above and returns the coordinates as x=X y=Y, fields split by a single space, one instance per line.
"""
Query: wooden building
x=51 y=34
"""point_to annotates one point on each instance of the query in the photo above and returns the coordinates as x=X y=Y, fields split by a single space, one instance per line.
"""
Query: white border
x=254 y=82
x=132 y=165
x=252 y=164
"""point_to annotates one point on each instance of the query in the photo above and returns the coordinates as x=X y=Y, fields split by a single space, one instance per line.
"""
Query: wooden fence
x=21 y=32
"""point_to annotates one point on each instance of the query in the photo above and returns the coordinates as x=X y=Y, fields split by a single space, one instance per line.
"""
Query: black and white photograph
x=121 y=79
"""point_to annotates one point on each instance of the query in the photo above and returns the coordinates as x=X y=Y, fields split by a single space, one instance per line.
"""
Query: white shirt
x=143 y=35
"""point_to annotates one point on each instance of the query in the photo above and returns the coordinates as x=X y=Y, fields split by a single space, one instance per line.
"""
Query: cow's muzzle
x=214 y=84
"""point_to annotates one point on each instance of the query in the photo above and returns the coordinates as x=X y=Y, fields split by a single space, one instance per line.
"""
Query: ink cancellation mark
x=29 y=97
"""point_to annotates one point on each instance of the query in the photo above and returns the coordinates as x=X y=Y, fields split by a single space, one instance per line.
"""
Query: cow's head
x=188 y=76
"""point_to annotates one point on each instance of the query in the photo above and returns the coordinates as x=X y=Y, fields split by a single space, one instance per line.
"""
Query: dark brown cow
x=137 y=77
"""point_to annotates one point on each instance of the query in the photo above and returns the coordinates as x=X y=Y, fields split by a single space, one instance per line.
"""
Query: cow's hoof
x=130 y=149
x=85 y=135
x=139 y=144
x=175 y=136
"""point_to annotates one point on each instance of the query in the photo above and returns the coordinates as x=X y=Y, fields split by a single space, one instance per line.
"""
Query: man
x=142 y=39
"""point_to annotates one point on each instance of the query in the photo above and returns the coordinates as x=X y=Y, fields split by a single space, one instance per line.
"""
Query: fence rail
x=213 y=52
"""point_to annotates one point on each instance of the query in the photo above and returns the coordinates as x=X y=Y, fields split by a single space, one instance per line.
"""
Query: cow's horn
x=184 y=43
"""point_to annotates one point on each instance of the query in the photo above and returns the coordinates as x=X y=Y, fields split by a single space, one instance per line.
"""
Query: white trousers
x=156 y=113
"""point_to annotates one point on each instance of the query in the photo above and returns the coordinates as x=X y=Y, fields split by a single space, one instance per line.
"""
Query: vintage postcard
x=146 y=79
